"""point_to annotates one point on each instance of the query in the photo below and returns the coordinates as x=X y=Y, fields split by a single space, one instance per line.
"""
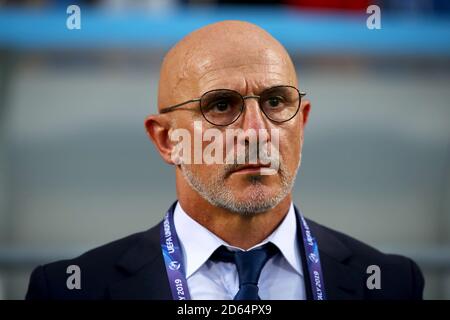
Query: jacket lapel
x=145 y=276
x=341 y=280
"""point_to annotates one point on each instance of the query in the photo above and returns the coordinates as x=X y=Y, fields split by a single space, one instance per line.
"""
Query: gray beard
x=217 y=194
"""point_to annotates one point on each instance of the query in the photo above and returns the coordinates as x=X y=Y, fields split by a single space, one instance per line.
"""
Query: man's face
x=236 y=187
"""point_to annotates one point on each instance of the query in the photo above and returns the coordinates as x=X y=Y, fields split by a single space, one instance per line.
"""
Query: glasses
x=222 y=107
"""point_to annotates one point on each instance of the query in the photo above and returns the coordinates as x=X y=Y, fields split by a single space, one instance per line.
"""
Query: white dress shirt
x=281 y=277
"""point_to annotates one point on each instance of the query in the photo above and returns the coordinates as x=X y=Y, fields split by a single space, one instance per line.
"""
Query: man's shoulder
x=400 y=276
x=358 y=249
x=97 y=268
x=100 y=257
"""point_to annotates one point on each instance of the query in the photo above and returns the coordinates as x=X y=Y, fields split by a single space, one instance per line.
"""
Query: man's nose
x=253 y=117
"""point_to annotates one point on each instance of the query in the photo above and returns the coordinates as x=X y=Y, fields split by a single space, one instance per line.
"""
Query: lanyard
x=173 y=258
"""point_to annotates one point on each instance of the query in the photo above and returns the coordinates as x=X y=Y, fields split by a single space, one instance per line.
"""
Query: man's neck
x=242 y=231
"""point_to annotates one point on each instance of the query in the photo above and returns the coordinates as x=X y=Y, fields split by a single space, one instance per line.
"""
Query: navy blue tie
x=249 y=265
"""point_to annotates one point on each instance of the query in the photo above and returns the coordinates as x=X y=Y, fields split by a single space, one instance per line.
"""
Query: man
x=234 y=232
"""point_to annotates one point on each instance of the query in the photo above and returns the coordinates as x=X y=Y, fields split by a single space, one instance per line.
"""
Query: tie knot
x=249 y=264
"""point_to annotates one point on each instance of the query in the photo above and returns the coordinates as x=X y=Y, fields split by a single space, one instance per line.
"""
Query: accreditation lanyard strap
x=173 y=258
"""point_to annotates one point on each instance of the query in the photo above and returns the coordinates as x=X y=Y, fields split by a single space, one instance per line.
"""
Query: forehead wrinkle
x=239 y=67
x=234 y=59
x=244 y=82
x=245 y=85
x=267 y=68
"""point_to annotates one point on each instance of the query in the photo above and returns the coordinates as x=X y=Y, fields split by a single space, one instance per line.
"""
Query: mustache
x=251 y=156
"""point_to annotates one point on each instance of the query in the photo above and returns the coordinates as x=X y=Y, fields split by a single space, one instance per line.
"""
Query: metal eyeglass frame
x=301 y=94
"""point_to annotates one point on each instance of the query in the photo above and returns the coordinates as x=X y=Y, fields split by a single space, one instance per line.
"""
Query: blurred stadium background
x=77 y=169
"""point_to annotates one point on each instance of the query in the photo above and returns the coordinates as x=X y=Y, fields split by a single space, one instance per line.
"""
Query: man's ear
x=304 y=109
x=158 y=129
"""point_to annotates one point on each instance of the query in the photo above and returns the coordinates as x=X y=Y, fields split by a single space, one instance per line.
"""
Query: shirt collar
x=198 y=243
x=285 y=238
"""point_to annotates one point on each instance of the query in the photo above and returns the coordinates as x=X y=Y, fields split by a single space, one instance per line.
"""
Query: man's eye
x=220 y=106
x=275 y=102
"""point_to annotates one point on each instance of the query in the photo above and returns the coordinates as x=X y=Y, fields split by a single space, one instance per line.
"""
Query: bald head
x=229 y=54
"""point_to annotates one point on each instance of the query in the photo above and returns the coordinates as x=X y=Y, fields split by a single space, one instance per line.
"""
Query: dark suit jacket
x=133 y=268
